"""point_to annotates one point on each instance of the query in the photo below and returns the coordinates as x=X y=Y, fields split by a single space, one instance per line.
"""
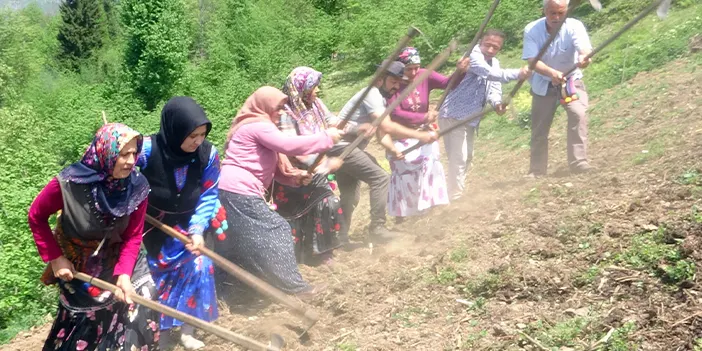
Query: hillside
x=603 y=261
x=565 y=260
x=570 y=262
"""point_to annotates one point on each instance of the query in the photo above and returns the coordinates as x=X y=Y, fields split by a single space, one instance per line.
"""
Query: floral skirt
x=417 y=183
x=90 y=318
x=185 y=282
x=315 y=217
x=104 y=324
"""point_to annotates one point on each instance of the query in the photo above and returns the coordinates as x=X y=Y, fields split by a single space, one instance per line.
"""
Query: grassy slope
x=616 y=114
x=563 y=260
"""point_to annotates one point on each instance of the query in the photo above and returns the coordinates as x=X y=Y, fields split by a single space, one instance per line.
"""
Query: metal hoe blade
x=663 y=9
x=277 y=342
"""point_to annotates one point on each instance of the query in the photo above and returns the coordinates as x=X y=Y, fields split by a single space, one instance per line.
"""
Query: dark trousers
x=359 y=167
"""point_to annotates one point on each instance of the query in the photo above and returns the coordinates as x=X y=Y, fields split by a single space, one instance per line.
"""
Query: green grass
x=345 y=346
x=650 y=252
x=690 y=177
x=473 y=339
x=561 y=334
x=647 y=46
x=446 y=276
x=580 y=331
x=485 y=285
x=587 y=277
x=652 y=150
x=458 y=254
x=412 y=317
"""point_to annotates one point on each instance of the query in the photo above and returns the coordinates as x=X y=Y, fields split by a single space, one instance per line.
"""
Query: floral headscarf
x=116 y=197
x=310 y=117
x=409 y=56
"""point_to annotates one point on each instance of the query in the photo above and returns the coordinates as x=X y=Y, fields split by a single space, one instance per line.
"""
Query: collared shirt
x=561 y=55
x=481 y=84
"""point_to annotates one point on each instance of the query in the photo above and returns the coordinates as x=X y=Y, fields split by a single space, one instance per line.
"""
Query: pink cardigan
x=416 y=105
x=50 y=201
x=251 y=161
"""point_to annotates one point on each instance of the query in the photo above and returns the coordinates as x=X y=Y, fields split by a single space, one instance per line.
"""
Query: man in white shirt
x=570 y=47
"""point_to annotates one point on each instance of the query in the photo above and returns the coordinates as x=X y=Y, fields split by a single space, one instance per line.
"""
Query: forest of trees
x=127 y=57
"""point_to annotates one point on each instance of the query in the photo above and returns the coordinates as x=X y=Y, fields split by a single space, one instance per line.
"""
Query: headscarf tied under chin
x=179 y=118
x=116 y=197
x=262 y=106
x=409 y=56
x=309 y=115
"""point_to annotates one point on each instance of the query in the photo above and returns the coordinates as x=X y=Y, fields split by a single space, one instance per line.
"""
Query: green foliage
x=587 y=277
x=485 y=285
x=649 y=251
x=649 y=45
x=560 y=334
x=447 y=276
x=690 y=177
x=458 y=254
x=345 y=346
x=81 y=32
x=620 y=338
x=26 y=165
x=20 y=52
x=156 y=51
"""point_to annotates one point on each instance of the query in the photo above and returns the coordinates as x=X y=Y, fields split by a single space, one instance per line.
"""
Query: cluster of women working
x=262 y=207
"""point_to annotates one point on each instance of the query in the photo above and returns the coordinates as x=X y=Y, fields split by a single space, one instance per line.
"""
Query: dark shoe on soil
x=350 y=246
x=582 y=168
x=380 y=234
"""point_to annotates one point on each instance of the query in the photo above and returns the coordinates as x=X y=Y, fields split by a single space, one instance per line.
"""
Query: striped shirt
x=480 y=85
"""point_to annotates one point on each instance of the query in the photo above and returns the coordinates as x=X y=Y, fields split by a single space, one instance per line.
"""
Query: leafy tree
x=81 y=32
x=157 y=47
x=20 y=51
x=111 y=18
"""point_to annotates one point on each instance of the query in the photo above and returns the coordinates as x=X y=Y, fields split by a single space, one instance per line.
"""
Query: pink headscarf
x=262 y=106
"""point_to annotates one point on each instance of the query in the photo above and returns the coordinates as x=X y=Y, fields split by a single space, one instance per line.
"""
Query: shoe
x=400 y=220
x=582 y=168
x=312 y=292
x=379 y=234
x=534 y=175
x=349 y=246
x=190 y=343
x=166 y=340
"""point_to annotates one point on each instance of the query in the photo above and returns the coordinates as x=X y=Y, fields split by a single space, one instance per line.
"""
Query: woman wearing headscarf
x=258 y=238
x=417 y=180
x=313 y=211
x=102 y=199
x=183 y=170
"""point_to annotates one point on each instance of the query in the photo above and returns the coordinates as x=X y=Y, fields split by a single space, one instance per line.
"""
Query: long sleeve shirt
x=205 y=209
x=251 y=161
x=50 y=201
x=412 y=111
x=480 y=85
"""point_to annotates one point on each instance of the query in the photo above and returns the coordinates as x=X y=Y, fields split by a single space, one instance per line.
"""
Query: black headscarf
x=179 y=118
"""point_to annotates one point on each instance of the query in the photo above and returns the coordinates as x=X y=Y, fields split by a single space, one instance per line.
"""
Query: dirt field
x=602 y=261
